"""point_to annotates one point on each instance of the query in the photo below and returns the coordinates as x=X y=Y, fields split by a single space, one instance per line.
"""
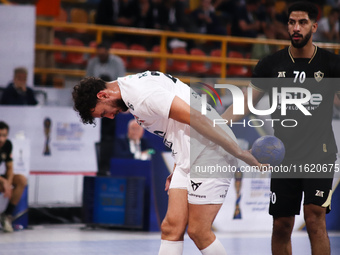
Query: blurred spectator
x=143 y=16
x=328 y=28
x=133 y=145
x=273 y=27
x=206 y=20
x=248 y=19
x=115 y=13
x=225 y=9
x=17 y=92
x=157 y=10
x=105 y=65
x=174 y=15
x=18 y=181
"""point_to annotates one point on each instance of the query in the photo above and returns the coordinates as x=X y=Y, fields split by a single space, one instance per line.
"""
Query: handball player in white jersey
x=167 y=107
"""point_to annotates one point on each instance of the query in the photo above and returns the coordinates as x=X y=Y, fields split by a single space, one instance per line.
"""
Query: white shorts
x=208 y=190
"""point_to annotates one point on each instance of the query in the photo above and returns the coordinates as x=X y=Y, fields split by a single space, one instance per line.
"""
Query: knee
x=315 y=219
x=20 y=181
x=282 y=227
x=195 y=233
x=173 y=228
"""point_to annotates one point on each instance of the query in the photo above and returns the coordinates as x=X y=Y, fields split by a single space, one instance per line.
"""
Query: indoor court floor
x=74 y=240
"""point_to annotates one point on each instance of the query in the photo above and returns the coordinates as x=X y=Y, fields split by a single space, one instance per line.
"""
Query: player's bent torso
x=307 y=137
x=149 y=96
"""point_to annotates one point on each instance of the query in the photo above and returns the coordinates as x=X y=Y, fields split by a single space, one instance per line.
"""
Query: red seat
x=237 y=70
x=197 y=66
x=59 y=57
x=138 y=62
x=74 y=57
x=179 y=65
x=93 y=44
x=156 y=62
x=215 y=68
x=121 y=46
x=62 y=17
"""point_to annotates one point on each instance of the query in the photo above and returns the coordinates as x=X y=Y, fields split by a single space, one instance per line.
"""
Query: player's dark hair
x=85 y=97
x=310 y=8
x=3 y=125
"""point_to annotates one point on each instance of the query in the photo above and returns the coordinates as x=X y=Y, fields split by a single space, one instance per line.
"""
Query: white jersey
x=149 y=96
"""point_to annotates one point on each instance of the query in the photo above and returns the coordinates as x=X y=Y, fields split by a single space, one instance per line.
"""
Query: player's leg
x=19 y=184
x=206 y=196
x=317 y=202
x=176 y=219
x=201 y=218
x=315 y=218
x=285 y=203
x=281 y=235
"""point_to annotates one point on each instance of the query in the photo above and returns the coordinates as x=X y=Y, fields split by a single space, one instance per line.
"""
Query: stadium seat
x=59 y=57
x=62 y=17
x=121 y=46
x=93 y=44
x=137 y=62
x=155 y=62
x=178 y=65
x=74 y=57
x=280 y=6
x=215 y=68
x=197 y=67
x=78 y=15
x=237 y=70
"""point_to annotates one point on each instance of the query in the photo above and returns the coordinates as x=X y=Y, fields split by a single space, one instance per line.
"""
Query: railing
x=98 y=31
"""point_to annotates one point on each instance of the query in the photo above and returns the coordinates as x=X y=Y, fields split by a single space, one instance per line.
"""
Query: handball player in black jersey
x=309 y=141
x=9 y=178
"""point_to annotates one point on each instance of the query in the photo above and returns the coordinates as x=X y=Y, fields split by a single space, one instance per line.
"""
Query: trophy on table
x=47 y=131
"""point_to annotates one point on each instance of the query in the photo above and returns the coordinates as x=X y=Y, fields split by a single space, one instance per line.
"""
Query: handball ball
x=268 y=150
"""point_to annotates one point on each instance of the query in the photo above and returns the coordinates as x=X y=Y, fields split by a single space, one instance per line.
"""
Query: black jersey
x=6 y=152
x=309 y=138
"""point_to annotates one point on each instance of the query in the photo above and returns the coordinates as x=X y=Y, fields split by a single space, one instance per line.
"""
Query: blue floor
x=71 y=240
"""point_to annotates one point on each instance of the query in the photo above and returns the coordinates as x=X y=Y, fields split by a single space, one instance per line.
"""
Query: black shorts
x=286 y=195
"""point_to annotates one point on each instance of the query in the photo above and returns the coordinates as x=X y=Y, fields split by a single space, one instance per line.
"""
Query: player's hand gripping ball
x=268 y=150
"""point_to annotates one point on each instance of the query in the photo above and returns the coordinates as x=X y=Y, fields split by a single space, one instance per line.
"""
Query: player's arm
x=5 y=187
x=182 y=112
x=338 y=95
x=9 y=171
x=228 y=114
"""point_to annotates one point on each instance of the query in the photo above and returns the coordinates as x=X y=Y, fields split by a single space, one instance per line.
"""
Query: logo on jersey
x=281 y=74
x=139 y=121
x=131 y=106
x=195 y=185
x=319 y=193
x=318 y=76
x=205 y=106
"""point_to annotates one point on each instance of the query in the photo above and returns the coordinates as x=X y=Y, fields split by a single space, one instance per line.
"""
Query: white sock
x=215 y=248
x=171 y=248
